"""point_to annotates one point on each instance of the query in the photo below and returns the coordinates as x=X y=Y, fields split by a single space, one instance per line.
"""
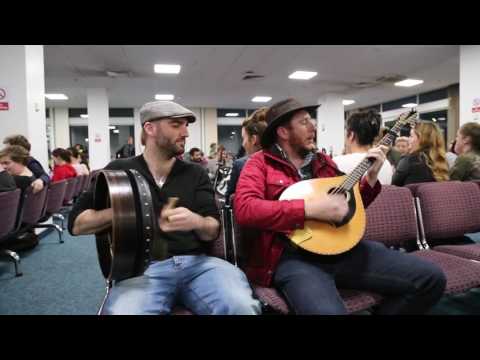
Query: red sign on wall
x=3 y=105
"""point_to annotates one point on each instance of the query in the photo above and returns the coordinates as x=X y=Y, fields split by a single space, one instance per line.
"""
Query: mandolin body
x=325 y=238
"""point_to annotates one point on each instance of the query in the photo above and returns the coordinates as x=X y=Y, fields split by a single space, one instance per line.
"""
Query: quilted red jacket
x=264 y=177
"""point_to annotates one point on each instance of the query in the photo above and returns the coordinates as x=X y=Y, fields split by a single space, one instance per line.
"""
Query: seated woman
x=467 y=146
x=62 y=169
x=252 y=131
x=363 y=128
x=426 y=161
x=14 y=160
x=76 y=162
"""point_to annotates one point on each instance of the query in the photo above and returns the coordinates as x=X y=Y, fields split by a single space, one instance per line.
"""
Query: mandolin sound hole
x=336 y=190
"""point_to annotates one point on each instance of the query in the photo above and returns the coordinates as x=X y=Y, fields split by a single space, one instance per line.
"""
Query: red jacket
x=264 y=177
x=65 y=171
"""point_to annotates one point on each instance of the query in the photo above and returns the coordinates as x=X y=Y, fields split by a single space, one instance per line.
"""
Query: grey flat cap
x=156 y=110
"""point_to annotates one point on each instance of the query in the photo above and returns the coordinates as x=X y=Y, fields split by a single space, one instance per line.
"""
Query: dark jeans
x=309 y=282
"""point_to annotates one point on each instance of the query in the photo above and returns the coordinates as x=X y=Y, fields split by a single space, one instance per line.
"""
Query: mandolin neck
x=366 y=163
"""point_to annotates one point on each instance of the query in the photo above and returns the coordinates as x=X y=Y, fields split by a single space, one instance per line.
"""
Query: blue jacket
x=236 y=169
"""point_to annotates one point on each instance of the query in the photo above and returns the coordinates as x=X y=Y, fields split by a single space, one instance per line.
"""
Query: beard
x=170 y=148
x=301 y=147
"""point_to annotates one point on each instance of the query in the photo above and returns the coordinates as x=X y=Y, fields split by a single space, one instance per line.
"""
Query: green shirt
x=466 y=167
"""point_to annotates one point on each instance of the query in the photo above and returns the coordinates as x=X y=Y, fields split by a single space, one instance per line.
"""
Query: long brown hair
x=431 y=148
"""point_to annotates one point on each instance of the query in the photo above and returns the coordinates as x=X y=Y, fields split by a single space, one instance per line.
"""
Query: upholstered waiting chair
x=55 y=196
x=393 y=213
x=448 y=211
x=10 y=202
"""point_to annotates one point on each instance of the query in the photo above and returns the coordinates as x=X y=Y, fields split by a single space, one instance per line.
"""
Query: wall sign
x=3 y=99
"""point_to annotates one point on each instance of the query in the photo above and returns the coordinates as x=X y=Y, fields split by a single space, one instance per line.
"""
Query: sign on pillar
x=476 y=109
x=3 y=99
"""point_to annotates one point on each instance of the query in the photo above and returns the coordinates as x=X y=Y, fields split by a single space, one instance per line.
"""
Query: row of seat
x=24 y=211
x=428 y=220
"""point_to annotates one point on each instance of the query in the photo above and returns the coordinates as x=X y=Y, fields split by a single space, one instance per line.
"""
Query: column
x=98 y=131
x=137 y=131
x=22 y=96
x=331 y=124
x=469 y=84
x=211 y=128
x=61 y=126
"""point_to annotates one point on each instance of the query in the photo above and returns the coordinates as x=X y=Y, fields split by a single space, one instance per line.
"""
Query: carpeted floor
x=65 y=279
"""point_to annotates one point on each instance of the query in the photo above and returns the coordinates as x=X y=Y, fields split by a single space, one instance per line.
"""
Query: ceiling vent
x=250 y=75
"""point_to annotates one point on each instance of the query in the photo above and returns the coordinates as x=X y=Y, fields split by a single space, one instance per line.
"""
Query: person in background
x=451 y=155
x=467 y=165
x=7 y=183
x=401 y=145
x=63 y=168
x=76 y=162
x=127 y=150
x=363 y=128
x=252 y=131
x=426 y=161
x=14 y=160
x=41 y=177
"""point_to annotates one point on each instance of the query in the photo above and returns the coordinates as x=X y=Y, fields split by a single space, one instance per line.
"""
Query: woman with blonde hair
x=426 y=161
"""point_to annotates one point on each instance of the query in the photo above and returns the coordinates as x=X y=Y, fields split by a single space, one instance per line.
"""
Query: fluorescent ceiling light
x=164 y=97
x=112 y=127
x=409 y=82
x=348 y=102
x=85 y=116
x=166 y=69
x=231 y=114
x=262 y=99
x=86 y=140
x=302 y=75
x=409 y=105
x=56 y=96
x=116 y=131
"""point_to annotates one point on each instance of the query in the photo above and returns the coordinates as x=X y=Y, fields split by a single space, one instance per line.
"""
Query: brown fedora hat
x=278 y=113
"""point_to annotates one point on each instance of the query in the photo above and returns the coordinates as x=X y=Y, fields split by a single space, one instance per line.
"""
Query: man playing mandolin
x=308 y=280
x=203 y=284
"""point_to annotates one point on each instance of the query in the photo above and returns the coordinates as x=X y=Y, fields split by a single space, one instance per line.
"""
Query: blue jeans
x=309 y=282
x=205 y=285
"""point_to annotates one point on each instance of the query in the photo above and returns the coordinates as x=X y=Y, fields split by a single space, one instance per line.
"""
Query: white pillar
x=137 y=131
x=61 y=126
x=22 y=78
x=331 y=124
x=195 y=131
x=98 y=131
x=469 y=83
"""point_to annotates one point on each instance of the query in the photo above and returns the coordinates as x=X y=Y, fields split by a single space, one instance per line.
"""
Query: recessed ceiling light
x=409 y=82
x=166 y=69
x=116 y=131
x=56 y=96
x=164 y=97
x=231 y=114
x=112 y=127
x=85 y=116
x=302 y=75
x=262 y=99
x=409 y=105
x=348 y=102
x=86 y=139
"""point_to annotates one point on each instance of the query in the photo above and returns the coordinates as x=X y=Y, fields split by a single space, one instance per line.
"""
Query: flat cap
x=157 y=110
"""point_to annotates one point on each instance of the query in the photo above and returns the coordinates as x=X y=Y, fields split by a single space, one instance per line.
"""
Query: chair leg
x=54 y=226
x=16 y=261
x=61 y=217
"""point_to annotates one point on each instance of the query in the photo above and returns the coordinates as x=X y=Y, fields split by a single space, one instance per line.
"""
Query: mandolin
x=336 y=238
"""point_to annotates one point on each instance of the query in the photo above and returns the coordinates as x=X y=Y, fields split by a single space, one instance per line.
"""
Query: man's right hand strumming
x=92 y=221
x=328 y=208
